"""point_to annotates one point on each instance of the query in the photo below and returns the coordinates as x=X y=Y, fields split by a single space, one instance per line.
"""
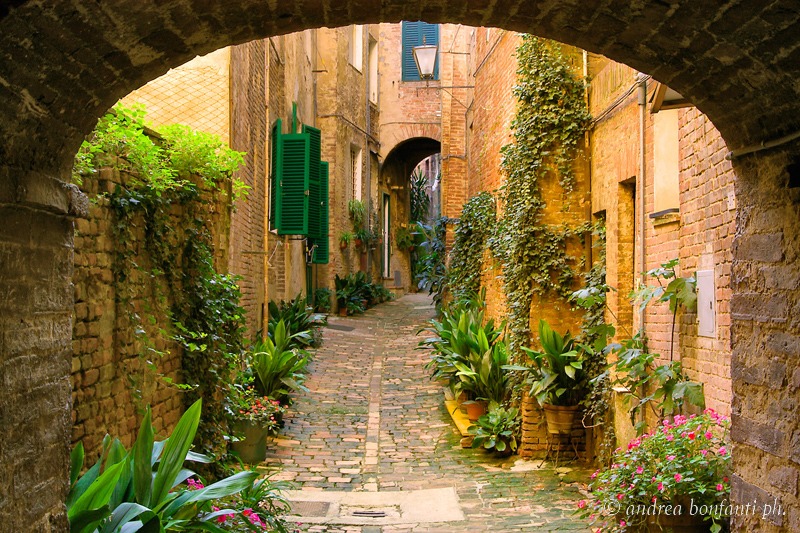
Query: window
x=357 y=46
x=666 y=188
x=414 y=33
x=373 y=70
x=355 y=170
x=299 y=188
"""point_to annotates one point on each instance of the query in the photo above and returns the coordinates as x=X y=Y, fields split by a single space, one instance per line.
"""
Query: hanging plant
x=473 y=229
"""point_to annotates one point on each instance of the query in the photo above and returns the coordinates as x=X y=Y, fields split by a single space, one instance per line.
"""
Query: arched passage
x=63 y=64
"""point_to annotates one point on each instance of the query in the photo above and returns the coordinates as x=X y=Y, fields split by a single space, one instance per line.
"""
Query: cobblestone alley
x=371 y=447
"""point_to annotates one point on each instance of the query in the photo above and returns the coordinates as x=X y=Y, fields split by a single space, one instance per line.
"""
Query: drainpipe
x=642 y=82
x=367 y=156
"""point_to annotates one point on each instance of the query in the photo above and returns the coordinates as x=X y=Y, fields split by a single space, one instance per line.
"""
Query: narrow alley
x=371 y=448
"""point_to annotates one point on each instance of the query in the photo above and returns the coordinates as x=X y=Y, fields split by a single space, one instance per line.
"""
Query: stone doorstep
x=375 y=508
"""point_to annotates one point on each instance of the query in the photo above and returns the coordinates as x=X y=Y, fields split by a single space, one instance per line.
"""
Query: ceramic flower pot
x=559 y=418
x=252 y=445
x=475 y=409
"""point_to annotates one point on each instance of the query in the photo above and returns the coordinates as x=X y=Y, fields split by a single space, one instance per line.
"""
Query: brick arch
x=62 y=64
x=401 y=160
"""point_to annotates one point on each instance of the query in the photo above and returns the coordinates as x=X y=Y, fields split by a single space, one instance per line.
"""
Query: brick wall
x=700 y=236
x=249 y=134
x=110 y=357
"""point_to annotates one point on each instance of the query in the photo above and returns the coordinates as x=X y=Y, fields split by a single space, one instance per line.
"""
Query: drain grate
x=310 y=508
x=339 y=327
x=370 y=514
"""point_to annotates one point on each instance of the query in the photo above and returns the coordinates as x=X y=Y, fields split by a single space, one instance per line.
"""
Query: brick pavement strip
x=373 y=421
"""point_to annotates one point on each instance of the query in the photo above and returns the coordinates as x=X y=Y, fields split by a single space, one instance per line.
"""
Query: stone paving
x=372 y=421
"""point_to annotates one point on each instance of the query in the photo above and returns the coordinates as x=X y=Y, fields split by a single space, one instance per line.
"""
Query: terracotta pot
x=559 y=418
x=342 y=310
x=476 y=409
x=342 y=245
x=252 y=448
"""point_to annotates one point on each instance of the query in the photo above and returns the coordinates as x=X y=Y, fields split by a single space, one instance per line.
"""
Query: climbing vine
x=478 y=217
x=548 y=128
x=178 y=178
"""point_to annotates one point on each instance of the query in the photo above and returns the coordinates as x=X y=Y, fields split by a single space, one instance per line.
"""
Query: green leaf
x=75 y=463
x=97 y=494
x=175 y=451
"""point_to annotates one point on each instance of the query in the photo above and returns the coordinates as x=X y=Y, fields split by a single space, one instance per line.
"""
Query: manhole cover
x=339 y=327
x=310 y=508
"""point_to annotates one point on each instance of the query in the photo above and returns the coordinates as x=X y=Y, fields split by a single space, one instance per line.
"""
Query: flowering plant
x=245 y=405
x=679 y=469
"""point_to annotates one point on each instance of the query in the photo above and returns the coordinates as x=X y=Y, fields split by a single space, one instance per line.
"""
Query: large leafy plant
x=299 y=321
x=556 y=376
x=278 y=368
x=141 y=489
x=497 y=430
x=661 y=386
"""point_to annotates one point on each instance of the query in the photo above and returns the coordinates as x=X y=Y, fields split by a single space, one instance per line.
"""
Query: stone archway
x=63 y=64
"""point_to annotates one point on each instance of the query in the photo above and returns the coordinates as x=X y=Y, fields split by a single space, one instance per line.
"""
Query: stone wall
x=120 y=355
x=765 y=336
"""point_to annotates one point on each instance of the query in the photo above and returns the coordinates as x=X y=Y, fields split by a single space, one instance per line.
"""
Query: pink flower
x=678 y=478
x=639 y=469
x=594 y=475
x=691 y=435
x=582 y=504
x=622 y=523
x=722 y=450
x=653 y=500
x=670 y=438
x=661 y=487
x=670 y=458
x=709 y=435
x=704 y=452
x=620 y=496
x=719 y=487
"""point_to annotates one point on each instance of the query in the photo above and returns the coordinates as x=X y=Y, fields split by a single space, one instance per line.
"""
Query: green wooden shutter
x=412 y=34
x=315 y=139
x=277 y=164
x=322 y=252
x=294 y=183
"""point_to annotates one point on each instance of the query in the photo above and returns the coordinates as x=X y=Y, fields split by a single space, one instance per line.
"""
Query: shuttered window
x=413 y=33
x=322 y=240
x=299 y=192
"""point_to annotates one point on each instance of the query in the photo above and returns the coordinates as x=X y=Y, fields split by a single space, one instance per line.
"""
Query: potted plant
x=556 y=379
x=253 y=418
x=497 y=430
x=322 y=300
x=344 y=239
x=357 y=211
x=403 y=238
x=277 y=368
x=676 y=476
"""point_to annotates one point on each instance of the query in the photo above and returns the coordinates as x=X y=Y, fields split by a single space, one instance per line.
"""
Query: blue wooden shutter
x=412 y=33
x=294 y=184
x=322 y=252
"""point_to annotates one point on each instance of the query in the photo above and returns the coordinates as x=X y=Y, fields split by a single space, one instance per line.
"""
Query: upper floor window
x=416 y=34
x=357 y=46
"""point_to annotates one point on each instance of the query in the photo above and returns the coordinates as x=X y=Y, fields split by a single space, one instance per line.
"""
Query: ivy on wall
x=179 y=177
x=549 y=126
x=472 y=231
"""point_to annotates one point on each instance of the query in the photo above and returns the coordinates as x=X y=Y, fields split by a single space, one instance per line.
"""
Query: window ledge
x=667 y=216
